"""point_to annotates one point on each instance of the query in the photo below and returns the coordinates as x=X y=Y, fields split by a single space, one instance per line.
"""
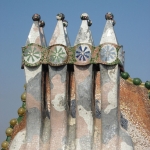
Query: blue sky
x=132 y=30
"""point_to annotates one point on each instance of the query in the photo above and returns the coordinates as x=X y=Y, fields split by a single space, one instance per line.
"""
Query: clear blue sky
x=132 y=30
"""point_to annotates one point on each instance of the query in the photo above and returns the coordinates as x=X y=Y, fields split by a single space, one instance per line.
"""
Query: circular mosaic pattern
x=121 y=55
x=83 y=53
x=58 y=55
x=108 y=53
x=32 y=54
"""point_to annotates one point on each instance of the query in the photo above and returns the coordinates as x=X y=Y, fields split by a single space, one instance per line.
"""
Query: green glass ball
x=137 y=81
x=125 y=75
x=21 y=111
x=4 y=144
x=147 y=85
x=9 y=131
x=23 y=97
x=13 y=122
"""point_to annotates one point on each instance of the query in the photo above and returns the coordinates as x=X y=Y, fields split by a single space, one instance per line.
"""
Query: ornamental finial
x=42 y=23
x=84 y=16
x=109 y=16
x=36 y=17
x=89 y=22
x=113 y=22
x=65 y=23
x=60 y=16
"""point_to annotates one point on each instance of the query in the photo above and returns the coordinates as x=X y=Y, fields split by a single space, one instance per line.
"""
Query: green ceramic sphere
x=21 y=111
x=13 y=122
x=23 y=97
x=137 y=81
x=125 y=75
x=9 y=131
x=5 y=145
x=147 y=85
